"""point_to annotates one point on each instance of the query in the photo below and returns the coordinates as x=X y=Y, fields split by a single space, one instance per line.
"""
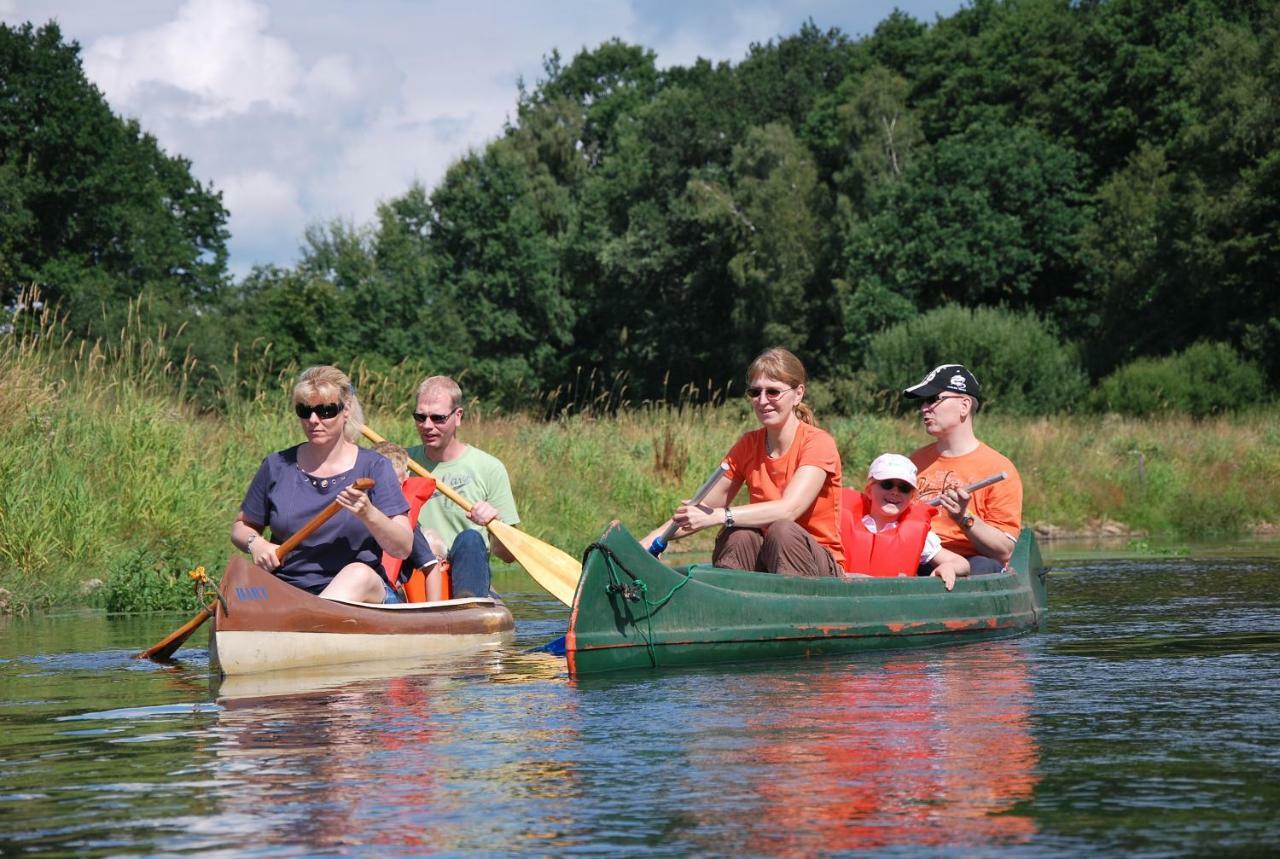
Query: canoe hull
x=267 y=625
x=702 y=614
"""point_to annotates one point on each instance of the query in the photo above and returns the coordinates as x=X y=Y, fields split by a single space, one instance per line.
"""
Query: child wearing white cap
x=885 y=528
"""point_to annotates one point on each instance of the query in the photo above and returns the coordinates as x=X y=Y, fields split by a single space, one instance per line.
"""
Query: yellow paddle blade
x=556 y=571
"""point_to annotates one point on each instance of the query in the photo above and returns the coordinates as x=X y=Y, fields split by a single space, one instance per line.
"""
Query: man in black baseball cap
x=983 y=526
x=948 y=377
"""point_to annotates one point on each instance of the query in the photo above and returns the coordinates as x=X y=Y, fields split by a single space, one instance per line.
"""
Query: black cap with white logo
x=948 y=377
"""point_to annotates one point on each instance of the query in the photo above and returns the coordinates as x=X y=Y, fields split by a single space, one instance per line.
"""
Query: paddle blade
x=556 y=647
x=554 y=570
x=167 y=646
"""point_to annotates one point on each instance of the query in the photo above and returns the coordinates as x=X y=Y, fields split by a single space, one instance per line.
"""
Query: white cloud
x=217 y=53
x=264 y=208
x=308 y=110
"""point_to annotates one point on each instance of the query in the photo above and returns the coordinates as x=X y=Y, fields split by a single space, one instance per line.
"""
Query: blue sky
x=302 y=111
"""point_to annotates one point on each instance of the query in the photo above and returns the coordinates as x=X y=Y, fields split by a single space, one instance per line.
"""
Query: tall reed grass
x=105 y=458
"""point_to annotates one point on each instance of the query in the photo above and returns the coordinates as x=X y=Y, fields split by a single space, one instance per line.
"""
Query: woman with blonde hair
x=342 y=559
x=791 y=521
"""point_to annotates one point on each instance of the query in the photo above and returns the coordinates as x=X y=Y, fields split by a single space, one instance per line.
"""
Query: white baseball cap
x=892 y=466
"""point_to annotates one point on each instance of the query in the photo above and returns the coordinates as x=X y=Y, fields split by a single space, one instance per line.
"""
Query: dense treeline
x=92 y=211
x=1100 y=179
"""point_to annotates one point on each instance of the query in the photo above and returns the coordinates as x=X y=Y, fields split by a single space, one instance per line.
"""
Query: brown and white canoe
x=268 y=625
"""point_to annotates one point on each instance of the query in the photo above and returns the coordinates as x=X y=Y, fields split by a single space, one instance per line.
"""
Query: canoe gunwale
x=414 y=606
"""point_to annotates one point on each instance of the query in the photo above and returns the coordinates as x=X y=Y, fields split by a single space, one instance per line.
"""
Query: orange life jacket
x=886 y=553
x=416 y=491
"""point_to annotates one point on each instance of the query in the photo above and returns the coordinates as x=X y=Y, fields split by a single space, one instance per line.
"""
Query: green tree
x=99 y=212
x=990 y=216
x=1124 y=251
x=605 y=84
x=773 y=216
x=865 y=133
x=489 y=247
x=1018 y=359
x=404 y=312
x=1226 y=220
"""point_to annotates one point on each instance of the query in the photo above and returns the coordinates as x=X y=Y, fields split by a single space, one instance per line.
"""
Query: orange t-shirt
x=999 y=505
x=766 y=478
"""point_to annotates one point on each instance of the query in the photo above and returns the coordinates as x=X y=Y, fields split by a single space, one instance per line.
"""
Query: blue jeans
x=469 y=565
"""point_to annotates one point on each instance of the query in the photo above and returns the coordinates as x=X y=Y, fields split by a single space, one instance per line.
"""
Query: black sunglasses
x=900 y=485
x=422 y=418
x=771 y=393
x=937 y=398
x=326 y=411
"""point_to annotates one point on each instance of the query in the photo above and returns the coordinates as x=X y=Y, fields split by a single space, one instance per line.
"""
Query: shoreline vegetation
x=113 y=484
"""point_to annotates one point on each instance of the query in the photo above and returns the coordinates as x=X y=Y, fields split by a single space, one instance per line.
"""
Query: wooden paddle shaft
x=974 y=487
x=444 y=489
x=552 y=569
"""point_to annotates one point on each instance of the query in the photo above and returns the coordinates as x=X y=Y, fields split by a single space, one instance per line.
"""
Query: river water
x=1141 y=721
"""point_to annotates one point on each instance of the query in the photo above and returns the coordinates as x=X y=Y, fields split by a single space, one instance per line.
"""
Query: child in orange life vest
x=423 y=577
x=885 y=530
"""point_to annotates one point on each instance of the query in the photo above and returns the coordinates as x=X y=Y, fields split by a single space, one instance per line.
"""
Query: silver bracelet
x=248 y=544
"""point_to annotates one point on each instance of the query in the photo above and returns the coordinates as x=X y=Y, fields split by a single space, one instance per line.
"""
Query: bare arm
x=947 y=565
x=798 y=497
x=500 y=550
x=719 y=495
x=482 y=513
x=391 y=532
x=986 y=539
x=247 y=537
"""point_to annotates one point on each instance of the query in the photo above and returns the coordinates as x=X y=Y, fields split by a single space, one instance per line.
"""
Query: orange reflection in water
x=921 y=749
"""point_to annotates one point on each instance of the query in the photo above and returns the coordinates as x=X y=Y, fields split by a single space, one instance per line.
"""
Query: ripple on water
x=1138 y=723
x=152 y=712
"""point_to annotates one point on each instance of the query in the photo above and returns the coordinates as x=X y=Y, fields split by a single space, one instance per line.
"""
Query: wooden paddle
x=556 y=571
x=167 y=646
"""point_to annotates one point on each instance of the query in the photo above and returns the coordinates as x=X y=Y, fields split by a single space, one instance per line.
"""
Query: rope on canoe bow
x=204 y=584
x=637 y=591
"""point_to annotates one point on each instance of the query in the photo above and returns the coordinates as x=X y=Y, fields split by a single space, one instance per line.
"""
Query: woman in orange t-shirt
x=791 y=523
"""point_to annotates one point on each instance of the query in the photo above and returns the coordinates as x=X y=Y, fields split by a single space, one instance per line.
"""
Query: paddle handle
x=443 y=488
x=974 y=487
x=659 y=545
x=364 y=484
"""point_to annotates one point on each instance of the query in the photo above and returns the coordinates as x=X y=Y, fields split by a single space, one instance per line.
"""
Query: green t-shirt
x=476 y=476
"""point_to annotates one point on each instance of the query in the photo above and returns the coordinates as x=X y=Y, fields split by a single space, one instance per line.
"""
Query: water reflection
x=1139 y=722
x=916 y=750
x=376 y=754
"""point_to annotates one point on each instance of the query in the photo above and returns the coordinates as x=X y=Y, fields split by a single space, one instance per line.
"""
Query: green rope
x=612 y=565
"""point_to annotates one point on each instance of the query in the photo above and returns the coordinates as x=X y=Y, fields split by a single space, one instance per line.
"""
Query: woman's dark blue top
x=284 y=498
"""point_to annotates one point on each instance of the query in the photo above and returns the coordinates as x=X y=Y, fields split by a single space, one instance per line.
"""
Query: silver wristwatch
x=728 y=517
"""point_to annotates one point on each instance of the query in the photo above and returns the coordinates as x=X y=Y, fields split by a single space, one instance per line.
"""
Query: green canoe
x=632 y=611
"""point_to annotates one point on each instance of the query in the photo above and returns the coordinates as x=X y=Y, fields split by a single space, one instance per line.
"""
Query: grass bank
x=106 y=474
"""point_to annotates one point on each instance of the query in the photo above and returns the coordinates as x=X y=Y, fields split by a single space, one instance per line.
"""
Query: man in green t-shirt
x=473 y=474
